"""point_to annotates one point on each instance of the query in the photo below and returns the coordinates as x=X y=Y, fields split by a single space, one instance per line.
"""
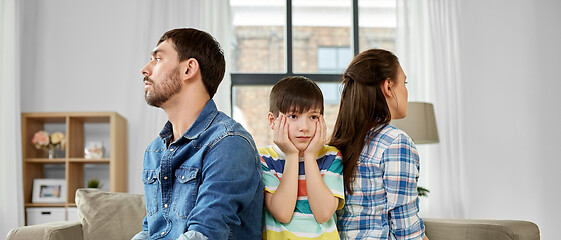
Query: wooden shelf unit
x=73 y=161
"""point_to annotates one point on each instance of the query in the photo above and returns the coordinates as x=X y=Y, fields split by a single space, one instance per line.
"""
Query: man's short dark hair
x=193 y=43
x=295 y=94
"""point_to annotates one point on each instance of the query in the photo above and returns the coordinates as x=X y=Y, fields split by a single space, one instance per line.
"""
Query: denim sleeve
x=142 y=235
x=230 y=179
x=192 y=235
x=401 y=172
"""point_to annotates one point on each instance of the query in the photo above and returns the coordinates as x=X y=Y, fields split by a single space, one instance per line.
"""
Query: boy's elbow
x=284 y=219
x=326 y=213
x=322 y=219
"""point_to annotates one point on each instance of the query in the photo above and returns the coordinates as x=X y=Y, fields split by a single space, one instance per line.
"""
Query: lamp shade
x=420 y=123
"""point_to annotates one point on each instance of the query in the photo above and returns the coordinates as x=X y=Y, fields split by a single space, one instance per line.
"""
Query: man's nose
x=147 y=69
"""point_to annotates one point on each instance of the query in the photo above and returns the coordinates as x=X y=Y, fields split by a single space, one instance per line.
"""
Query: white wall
x=510 y=52
x=78 y=56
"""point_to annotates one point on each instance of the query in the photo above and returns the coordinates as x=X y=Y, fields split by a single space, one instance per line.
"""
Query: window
x=333 y=59
x=312 y=38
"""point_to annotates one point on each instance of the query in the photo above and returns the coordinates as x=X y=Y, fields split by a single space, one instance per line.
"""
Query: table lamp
x=420 y=123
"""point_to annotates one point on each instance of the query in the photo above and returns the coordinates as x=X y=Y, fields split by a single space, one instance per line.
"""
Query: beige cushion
x=110 y=215
x=472 y=229
x=51 y=231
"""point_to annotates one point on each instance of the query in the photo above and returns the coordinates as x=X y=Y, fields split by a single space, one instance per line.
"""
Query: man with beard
x=201 y=174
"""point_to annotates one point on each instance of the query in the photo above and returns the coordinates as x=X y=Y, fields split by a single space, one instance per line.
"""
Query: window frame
x=269 y=79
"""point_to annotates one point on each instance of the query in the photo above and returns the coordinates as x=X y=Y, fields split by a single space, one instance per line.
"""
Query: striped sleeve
x=270 y=178
x=333 y=176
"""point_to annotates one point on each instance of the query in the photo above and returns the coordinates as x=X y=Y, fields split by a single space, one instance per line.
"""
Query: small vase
x=51 y=152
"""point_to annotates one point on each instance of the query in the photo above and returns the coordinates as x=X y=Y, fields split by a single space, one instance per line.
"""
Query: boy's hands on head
x=322 y=201
x=318 y=140
x=280 y=137
x=282 y=202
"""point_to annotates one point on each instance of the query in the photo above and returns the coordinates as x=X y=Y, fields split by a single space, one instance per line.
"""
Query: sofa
x=119 y=216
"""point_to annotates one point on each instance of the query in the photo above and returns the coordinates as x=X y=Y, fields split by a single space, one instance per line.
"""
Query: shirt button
x=165 y=205
x=182 y=177
x=171 y=149
x=163 y=233
x=165 y=178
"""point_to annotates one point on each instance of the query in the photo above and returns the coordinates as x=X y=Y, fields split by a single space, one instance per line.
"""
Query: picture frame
x=49 y=191
x=93 y=150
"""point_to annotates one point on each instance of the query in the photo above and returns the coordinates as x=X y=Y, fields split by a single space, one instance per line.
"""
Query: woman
x=380 y=162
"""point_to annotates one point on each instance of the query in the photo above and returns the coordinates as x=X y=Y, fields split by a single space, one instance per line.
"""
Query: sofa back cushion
x=110 y=215
x=475 y=229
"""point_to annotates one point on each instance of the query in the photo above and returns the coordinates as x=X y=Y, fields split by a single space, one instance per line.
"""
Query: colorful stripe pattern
x=303 y=224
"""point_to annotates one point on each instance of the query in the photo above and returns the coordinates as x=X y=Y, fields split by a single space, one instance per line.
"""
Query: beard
x=163 y=90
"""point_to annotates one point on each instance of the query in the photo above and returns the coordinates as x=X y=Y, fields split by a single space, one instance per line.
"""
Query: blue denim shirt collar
x=202 y=122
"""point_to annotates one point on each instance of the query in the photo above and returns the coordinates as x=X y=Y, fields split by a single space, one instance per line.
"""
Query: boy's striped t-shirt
x=303 y=225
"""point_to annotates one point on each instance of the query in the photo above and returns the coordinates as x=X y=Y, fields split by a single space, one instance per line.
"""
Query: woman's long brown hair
x=363 y=110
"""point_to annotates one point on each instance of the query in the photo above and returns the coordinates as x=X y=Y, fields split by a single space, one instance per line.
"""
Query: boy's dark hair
x=295 y=94
x=193 y=43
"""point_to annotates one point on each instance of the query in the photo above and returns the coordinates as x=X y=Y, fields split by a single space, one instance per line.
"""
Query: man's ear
x=272 y=119
x=386 y=87
x=189 y=68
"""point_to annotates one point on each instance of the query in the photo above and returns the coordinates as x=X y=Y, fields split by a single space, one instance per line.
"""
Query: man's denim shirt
x=205 y=184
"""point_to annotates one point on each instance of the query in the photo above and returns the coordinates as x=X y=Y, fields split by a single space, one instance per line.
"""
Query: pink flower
x=40 y=139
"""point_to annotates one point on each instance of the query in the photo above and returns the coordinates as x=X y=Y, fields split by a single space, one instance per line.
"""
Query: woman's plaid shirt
x=384 y=203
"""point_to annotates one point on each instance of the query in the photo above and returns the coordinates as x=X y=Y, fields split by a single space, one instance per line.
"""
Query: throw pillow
x=108 y=215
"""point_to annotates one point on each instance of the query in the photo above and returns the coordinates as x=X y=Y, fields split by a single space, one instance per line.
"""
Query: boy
x=302 y=176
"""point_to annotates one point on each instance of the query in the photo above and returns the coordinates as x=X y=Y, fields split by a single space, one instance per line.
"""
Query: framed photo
x=49 y=191
x=93 y=150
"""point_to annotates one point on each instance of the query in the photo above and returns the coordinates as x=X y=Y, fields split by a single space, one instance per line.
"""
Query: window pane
x=331 y=98
x=333 y=59
x=344 y=57
x=377 y=24
x=319 y=24
x=326 y=59
x=251 y=106
x=259 y=27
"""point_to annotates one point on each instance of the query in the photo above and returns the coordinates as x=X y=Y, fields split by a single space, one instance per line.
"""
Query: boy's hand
x=281 y=136
x=319 y=138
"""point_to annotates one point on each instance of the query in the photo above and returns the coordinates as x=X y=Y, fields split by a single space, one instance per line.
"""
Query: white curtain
x=428 y=51
x=444 y=17
x=11 y=198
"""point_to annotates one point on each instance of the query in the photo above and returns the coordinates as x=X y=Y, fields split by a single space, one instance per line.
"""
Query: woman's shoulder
x=389 y=133
x=391 y=136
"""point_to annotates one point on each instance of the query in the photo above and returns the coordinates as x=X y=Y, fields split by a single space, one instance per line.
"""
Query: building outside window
x=312 y=38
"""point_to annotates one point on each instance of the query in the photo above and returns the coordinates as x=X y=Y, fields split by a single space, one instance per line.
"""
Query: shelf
x=93 y=161
x=45 y=160
x=64 y=160
x=80 y=129
x=45 y=204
